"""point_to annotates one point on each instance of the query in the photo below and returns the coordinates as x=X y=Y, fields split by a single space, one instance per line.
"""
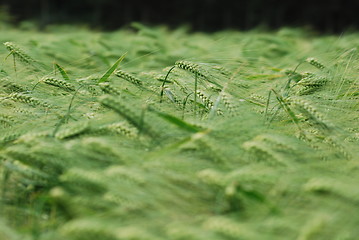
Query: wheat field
x=149 y=134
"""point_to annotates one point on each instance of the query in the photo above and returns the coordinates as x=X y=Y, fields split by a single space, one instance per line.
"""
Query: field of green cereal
x=155 y=134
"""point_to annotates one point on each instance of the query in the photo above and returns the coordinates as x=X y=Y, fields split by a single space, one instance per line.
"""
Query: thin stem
x=283 y=103
x=267 y=106
x=184 y=104
x=13 y=56
x=164 y=81
x=195 y=93
x=65 y=118
x=142 y=119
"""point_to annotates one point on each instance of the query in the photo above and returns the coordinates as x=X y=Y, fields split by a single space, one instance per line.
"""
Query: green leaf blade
x=108 y=73
x=62 y=72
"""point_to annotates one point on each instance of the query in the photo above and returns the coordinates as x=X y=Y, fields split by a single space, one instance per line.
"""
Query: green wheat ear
x=314 y=62
x=9 y=86
x=197 y=70
x=106 y=87
x=59 y=83
x=122 y=109
x=23 y=98
x=128 y=77
x=72 y=130
x=191 y=67
x=310 y=84
x=205 y=99
x=18 y=53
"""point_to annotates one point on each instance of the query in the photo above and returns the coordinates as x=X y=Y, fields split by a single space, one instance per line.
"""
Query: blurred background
x=203 y=15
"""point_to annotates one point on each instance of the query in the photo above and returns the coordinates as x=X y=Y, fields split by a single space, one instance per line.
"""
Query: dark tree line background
x=204 y=15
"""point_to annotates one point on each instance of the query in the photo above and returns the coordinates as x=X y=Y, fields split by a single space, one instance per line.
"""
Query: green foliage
x=231 y=135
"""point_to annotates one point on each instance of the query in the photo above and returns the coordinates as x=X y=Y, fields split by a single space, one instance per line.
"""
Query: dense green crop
x=153 y=134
